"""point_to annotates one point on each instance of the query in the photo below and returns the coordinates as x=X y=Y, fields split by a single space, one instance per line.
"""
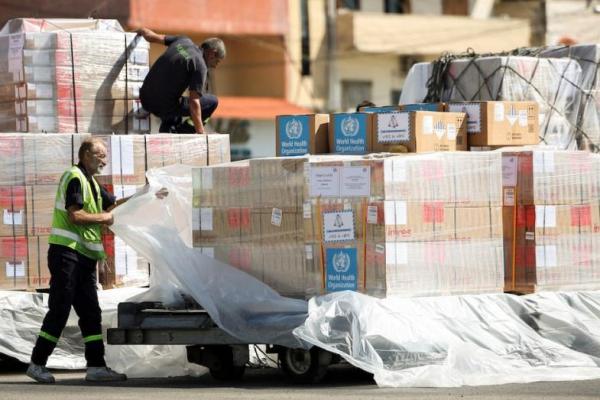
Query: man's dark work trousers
x=72 y=283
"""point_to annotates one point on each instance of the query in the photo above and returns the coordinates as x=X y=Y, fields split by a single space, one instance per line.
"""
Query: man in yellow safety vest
x=81 y=208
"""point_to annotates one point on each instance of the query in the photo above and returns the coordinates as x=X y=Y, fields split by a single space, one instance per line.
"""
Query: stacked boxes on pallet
x=552 y=220
x=30 y=168
x=410 y=225
x=71 y=76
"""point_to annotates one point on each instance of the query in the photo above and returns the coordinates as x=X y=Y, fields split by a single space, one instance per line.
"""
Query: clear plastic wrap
x=588 y=119
x=426 y=224
x=552 y=83
x=84 y=92
x=551 y=220
x=30 y=168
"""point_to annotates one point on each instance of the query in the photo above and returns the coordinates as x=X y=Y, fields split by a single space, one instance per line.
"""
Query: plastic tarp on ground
x=426 y=342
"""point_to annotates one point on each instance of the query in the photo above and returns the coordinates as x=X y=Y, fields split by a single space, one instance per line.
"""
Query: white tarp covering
x=426 y=342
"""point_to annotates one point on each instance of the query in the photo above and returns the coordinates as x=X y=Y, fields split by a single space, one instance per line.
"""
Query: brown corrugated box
x=419 y=131
x=351 y=133
x=276 y=225
x=277 y=182
x=39 y=274
x=314 y=226
x=221 y=225
x=500 y=123
x=291 y=140
x=13 y=209
x=47 y=157
x=11 y=160
x=14 y=263
x=40 y=209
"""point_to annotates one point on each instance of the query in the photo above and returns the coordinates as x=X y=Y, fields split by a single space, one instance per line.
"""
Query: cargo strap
x=92 y=338
x=48 y=337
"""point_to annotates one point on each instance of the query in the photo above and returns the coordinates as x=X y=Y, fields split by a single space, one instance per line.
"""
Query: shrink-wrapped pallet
x=71 y=76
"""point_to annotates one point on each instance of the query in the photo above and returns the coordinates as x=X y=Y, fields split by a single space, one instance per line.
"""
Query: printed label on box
x=545 y=216
x=276 y=216
x=342 y=269
x=452 y=131
x=307 y=210
x=206 y=219
x=396 y=253
x=309 y=252
x=473 y=111
x=356 y=182
x=379 y=248
x=399 y=173
x=393 y=127
x=12 y=218
x=509 y=171
x=545 y=256
x=498 y=112
x=523 y=118
x=400 y=210
x=529 y=235
x=338 y=226
x=15 y=270
x=543 y=162
x=427 y=125
x=509 y=196
x=294 y=135
x=325 y=181
x=372 y=214
x=207 y=178
x=512 y=115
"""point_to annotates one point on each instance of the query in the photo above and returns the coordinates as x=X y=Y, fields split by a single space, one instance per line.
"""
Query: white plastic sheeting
x=461 y=340
x=21 y=316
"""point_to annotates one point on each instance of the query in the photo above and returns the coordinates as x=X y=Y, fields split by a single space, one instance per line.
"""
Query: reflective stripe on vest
x=78 y=239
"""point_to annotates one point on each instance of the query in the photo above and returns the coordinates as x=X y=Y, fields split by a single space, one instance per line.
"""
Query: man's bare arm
x=151 y=36
x=196 y=111
x=80 y=217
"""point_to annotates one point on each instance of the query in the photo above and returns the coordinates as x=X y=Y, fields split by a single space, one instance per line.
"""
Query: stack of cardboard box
x=551 y=220
x=71 y=76
x=410 y=225
x=249 y=215
x=30 y=169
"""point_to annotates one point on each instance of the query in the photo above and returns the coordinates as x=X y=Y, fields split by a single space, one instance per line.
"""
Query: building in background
x=301 y=56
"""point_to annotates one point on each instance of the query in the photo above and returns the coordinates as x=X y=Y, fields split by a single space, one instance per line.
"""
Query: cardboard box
x=350 y=133
x=14 y=210
x=123 y=265
x=298 y=135
x=41 y=201
x=39 y=274
x=378 y=109
x=221 y=225
x=276 y=225
x=335 y=220
x=47 y=157
x=334 y=267
x=14 y=263
x=439 y=107
x=435 y=268
x=400 y=221
x=278 y=182
x=219 y=151
x=11 y=160
x=419 y=131
x=500 y=123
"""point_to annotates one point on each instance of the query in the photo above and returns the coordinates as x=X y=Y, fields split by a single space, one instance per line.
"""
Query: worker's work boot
x=39 y=373
x=103 y=374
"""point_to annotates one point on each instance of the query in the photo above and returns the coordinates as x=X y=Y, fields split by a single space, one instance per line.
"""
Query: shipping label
x=393 y=127
x=338 y=226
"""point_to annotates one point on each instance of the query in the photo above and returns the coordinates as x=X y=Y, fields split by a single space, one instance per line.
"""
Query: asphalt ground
x=341 y=382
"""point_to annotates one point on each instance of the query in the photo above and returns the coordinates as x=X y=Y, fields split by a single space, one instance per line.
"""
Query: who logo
x=350 y=126
x=341 y=262
x=293 y=129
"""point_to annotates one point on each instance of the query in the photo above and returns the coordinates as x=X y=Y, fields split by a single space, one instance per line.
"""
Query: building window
x=349 y=4
x=396 y=6
x=354 y=92
x=305 y=61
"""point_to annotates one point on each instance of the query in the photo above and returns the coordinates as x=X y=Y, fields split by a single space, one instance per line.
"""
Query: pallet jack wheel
x=305 y=366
